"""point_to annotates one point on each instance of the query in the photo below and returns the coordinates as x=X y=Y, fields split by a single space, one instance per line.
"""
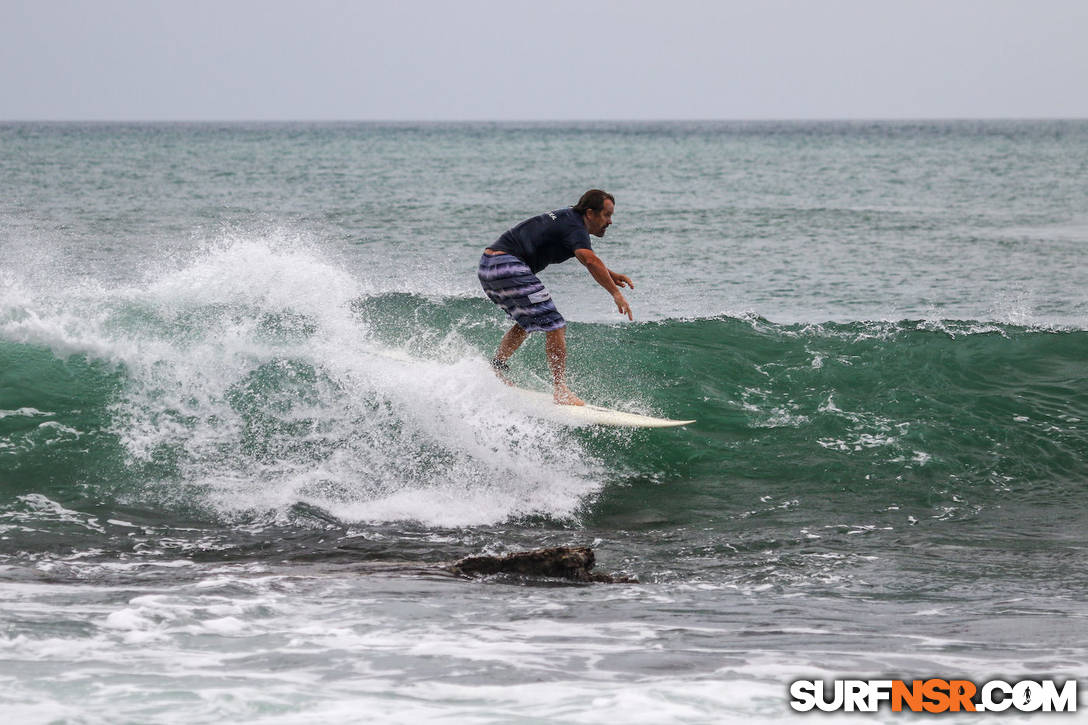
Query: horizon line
x=815 y=119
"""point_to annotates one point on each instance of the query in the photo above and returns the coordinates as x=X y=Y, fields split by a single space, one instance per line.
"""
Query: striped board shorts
x=511 y=285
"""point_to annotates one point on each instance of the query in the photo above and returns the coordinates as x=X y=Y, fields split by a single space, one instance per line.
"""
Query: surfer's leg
x=555 y=345
x=510 y=343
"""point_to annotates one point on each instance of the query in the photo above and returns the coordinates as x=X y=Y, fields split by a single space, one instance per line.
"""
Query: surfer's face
x=598 y=221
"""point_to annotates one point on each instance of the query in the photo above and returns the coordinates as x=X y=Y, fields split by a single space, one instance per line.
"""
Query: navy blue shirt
x=546 y=239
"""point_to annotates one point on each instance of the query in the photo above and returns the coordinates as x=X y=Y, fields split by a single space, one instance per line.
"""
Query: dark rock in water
x=568 y=563
x=560 y=562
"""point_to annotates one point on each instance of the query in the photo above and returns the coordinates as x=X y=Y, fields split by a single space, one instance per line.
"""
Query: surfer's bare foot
x=505 y=379
x=563 y=396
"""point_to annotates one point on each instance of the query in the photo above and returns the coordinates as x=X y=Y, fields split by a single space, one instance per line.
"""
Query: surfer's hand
x=622 y=280
x=622 y=306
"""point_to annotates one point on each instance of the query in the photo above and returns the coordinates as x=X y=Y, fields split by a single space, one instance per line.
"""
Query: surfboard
x=544 y=405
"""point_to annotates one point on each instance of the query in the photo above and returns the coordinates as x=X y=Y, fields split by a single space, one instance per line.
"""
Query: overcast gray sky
x=524 y=60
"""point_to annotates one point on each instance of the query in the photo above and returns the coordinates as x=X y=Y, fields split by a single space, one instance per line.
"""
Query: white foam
x=225 y=625
x=24 y=412
x=128 y=619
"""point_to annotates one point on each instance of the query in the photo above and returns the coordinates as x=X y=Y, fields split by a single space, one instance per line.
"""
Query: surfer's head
x=596 y=208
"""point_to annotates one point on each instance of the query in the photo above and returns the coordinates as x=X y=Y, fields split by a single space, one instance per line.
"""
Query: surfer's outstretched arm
x=608 y=279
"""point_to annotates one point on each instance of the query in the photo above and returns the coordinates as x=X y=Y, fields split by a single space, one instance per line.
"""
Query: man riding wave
x=508 y=270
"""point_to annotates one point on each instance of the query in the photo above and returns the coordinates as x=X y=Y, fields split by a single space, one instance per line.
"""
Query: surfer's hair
x=593 y=199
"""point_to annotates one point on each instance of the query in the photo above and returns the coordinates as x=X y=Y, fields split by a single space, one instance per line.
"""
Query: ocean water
x=245 y=412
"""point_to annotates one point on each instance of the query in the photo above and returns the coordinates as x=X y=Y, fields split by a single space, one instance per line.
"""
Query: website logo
x=933 y=695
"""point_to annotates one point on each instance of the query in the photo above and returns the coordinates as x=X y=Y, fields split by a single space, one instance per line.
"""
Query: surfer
x=508 y=271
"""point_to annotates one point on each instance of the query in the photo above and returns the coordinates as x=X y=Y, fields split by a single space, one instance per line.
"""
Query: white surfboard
x=544 y=405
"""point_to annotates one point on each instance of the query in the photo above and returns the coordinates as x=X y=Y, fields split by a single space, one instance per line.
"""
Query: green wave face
x=55 y=423
x=942 y=418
